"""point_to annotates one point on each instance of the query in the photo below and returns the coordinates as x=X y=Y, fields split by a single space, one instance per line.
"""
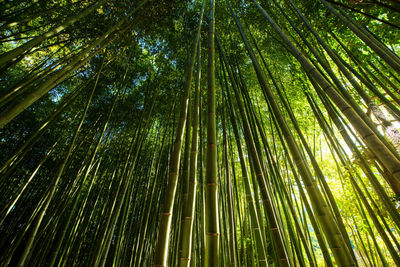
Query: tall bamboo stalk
x=212 y=221
x=160 y=255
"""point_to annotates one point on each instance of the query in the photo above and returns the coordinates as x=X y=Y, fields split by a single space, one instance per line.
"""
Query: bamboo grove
x=199 y=133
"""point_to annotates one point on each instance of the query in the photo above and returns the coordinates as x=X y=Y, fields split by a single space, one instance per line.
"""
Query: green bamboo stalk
x=160 y=255
x=382 y=51
x=324 y=215
x=211 y=206
x=370 y=139
x=28 y=248
x=266 y=195
x=11 y=55
x=189 y=206
x=260 y=244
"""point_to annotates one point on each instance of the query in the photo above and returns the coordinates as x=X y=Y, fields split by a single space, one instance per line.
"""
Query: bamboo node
x=213 y=234
x=165 y=213
x=366 y=136
x=346 y=108
x=211 y=184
